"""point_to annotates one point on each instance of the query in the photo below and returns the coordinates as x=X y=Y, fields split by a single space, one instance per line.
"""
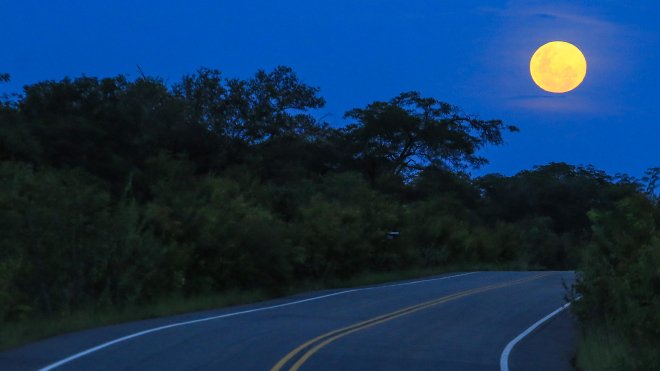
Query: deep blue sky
x=468 y=53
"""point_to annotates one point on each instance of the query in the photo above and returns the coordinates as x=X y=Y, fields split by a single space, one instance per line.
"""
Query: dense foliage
x=620 y=282
x=116 y=192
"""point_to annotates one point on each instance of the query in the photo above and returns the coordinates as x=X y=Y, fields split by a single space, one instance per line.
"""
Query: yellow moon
x=558 y=67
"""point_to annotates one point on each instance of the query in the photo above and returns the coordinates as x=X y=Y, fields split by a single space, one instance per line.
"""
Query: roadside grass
x=14 y=334
x=601 y=348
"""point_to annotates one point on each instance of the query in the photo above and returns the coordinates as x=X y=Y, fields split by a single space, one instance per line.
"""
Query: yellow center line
x=331 y=336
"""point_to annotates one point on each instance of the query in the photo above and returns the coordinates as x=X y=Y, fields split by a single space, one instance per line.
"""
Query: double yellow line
x=321 y=341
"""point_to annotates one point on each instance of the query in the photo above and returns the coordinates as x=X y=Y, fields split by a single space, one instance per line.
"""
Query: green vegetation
x=620 y=287
x=604 y=349
x=123 y=199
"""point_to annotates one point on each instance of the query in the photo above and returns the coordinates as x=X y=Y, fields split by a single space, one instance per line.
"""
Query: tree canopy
x=410 y=133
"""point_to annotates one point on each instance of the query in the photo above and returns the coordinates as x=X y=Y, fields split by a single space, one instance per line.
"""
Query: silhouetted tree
x=410 y=132
x=271 y=104
x=652 y=179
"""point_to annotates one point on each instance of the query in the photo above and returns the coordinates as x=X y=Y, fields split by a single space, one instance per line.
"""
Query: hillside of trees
x=116 y=192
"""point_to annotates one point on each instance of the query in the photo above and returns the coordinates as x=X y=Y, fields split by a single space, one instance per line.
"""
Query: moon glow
x=558 y=67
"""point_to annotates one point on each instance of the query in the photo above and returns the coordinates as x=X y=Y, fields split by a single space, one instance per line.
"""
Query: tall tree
x=410 y=133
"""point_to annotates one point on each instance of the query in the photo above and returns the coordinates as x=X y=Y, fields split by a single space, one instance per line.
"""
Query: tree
x=652 y=179
x=269 y=105
x=110 y=126
x=560 y=191
x=410 y=133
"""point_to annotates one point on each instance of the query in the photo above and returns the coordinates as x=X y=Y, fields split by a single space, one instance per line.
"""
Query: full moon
x=558 y=67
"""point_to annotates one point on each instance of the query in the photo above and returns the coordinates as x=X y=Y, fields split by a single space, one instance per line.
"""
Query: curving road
x=461 y=321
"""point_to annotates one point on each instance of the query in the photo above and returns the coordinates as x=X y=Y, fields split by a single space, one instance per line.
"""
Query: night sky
x=471 y=54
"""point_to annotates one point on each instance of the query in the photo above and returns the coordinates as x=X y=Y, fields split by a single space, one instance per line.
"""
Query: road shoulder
x=550 y=347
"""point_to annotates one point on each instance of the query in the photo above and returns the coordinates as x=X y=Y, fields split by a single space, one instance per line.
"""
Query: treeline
x=117 y=191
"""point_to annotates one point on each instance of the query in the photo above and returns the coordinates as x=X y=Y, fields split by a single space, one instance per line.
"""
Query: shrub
x=620 y=280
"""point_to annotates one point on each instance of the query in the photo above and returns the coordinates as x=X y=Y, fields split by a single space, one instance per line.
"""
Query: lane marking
x=178 y=324
x=329 y=337
x=504 y=358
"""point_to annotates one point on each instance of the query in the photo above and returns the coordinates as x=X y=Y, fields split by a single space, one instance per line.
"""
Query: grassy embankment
x=599 y=349
x=16 y=334
x=603 y=348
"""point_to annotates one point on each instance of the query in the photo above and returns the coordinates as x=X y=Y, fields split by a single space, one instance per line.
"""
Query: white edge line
x=504 y=358
x=155 y=329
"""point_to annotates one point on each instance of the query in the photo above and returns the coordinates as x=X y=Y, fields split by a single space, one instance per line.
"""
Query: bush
x=342 y=230
x=620 y=280
x=238 y=242
x=438 y=229
x=64 y=244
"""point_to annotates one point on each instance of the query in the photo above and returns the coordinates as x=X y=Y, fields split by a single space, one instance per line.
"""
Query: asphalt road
x=454 y=322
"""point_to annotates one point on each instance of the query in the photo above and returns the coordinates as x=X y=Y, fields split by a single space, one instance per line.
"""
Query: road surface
x=460 y=321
